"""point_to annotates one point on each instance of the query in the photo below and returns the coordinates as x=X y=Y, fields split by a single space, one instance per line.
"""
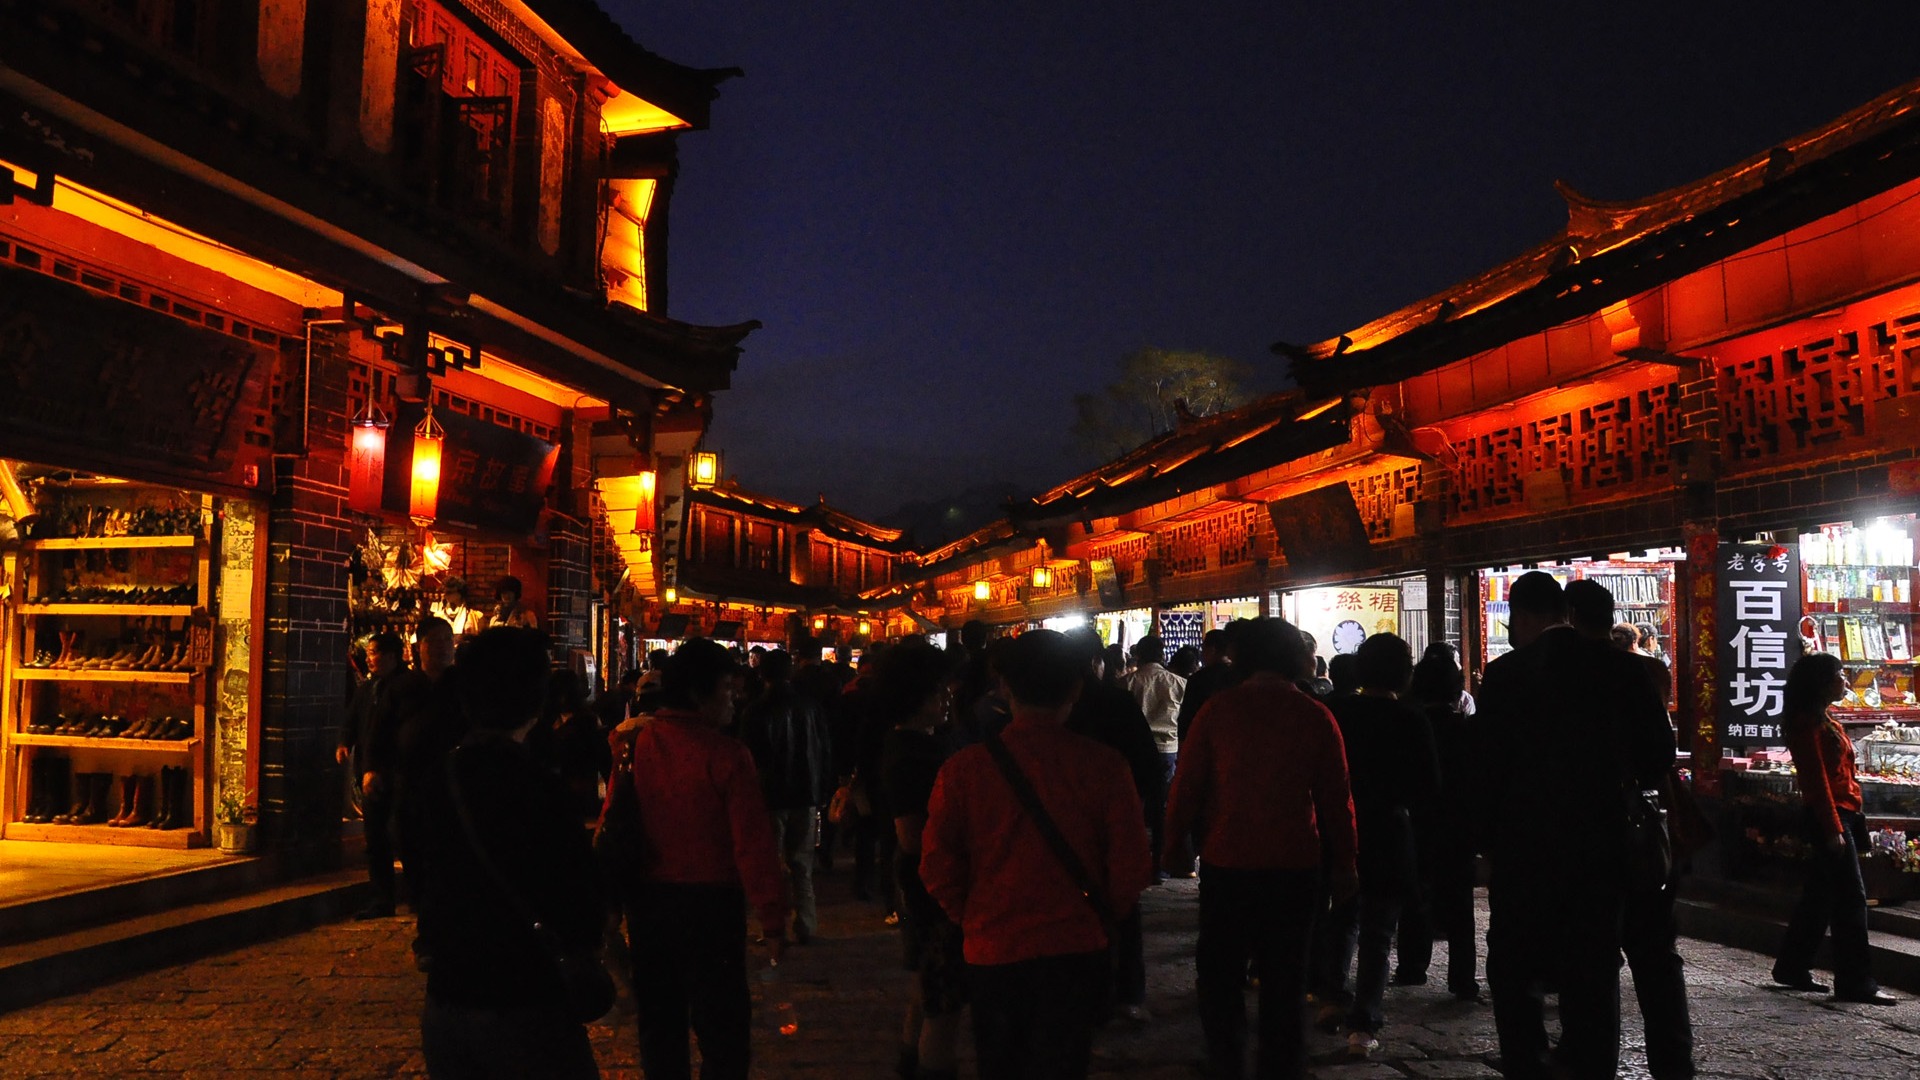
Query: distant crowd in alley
x=1006 y=805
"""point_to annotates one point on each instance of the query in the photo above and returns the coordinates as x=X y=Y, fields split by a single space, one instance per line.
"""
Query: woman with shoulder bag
x=1834 y=894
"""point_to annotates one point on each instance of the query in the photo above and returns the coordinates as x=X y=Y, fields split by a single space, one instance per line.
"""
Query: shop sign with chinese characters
x=1758 y=604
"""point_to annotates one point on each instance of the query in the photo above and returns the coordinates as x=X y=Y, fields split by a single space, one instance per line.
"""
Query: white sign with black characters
x=1759 y=607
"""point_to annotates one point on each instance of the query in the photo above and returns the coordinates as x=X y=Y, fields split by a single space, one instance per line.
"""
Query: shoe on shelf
x=1799 y=980
x=1361 y=1045
x=1876 y=996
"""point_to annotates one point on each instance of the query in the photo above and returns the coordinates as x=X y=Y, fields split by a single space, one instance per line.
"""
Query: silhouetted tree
x=1140 y=404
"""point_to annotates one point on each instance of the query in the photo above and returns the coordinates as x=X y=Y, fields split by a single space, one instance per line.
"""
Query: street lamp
x=704 y=471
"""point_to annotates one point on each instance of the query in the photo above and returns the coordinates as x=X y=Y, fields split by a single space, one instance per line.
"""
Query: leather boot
x=38 y=789
x=120 y=816
x=163 y=800
x=142 y=801
x=100 y=792
x=77 y=808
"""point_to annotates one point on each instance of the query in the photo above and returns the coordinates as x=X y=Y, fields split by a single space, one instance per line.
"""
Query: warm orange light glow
x=982 y=591
x=623 y=252
x=704 y=471
x=672 y=595
x=429 y=439
x=367 y=461
x=865 y=628
x=1318 y=409
x=819 y=622
x=1043 y=577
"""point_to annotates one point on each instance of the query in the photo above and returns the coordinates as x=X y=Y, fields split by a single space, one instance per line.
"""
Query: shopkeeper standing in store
x=507 y=610
x=452 y=606
x=1834 y=894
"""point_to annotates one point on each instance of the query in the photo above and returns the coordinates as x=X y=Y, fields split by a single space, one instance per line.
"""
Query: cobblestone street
x=342 y=1001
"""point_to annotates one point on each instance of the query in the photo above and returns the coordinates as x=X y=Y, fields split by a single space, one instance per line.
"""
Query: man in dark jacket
x=370 y=741
x=507 y=848
x=788 y=740
x=1558 y=849
x=1108 y=714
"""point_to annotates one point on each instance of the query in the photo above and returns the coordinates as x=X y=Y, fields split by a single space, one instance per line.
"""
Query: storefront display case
x=110 y=634
x=1858 y=604
x=1642 y=588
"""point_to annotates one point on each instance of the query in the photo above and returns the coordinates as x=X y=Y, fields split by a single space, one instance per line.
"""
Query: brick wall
x=569 y=588
x=306 y=679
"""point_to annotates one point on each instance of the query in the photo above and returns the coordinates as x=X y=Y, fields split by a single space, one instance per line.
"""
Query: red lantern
x=643 y=520
x=428 y=438
x=367 y=460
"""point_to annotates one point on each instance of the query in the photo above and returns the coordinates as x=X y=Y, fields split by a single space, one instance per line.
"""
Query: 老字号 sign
x=1758 y=604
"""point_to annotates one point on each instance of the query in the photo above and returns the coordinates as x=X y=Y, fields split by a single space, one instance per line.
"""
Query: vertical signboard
x=1758 y=615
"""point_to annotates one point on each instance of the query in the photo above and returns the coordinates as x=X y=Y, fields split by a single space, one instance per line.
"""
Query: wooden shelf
x=172 y=611
x=167 y=746
x=98 y=543
x=71 y=675
x=100 y=834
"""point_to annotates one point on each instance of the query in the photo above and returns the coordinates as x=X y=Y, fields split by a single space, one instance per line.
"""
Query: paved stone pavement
x=343 y=1000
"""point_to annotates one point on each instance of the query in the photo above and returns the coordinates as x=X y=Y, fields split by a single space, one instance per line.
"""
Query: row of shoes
x=160 y=655
x=102 y=726
x=107 y=521
x=112 y=594
x=147 y=800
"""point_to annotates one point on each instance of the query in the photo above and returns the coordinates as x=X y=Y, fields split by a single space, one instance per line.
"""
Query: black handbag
x=587 y=987
x=620 y=845
x=1649 y=846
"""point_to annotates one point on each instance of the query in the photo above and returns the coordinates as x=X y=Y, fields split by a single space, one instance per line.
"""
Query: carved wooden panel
x=1611 y=443
x=1223 y=540
x=1129 y=556
x=1379 y=495
x=1818 y=396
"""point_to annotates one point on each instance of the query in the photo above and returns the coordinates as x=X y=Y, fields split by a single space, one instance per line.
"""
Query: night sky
x=951 y=218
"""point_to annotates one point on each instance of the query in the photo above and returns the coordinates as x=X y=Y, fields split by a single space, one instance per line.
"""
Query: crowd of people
x=1012 y=801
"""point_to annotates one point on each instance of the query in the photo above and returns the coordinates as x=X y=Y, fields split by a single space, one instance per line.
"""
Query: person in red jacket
x=1262 y=782
x=1037 y=944
x=1834 y=894
x=712 y=855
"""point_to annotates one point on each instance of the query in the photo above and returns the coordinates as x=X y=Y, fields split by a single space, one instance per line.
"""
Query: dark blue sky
x=953 y=217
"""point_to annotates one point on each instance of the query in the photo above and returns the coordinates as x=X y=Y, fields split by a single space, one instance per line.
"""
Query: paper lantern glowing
x=982 y=591
x=1042 y=577
x=367 y=459
x=819 y=622
x=673 y=595
x=866 y=628
x=429 y=439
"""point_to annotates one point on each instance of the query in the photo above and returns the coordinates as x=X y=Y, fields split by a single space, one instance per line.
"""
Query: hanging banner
x=1757 y=608
x=491 y=477
x=1320 y=532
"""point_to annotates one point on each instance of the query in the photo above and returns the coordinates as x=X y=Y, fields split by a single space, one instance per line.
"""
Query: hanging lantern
x=982 y=591
x=1043 y=577
x=704 y=471
x=429 y=438
x=819 y=623
x=672 y=595
x=367 y=459
x=643 y=522
x=866 y=628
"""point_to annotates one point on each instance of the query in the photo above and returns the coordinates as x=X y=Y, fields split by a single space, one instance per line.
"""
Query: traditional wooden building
x=1704 y=399
x=751 y=569
x=305 y=308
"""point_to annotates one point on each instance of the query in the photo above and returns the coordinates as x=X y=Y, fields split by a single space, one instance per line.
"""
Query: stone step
x=1896 y=955
x=62 y=963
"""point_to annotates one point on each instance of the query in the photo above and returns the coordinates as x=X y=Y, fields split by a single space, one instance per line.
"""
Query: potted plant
x=233 y=821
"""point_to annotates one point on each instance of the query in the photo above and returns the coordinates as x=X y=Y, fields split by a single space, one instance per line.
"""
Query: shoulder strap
x=514 y=900
x=1050 y=832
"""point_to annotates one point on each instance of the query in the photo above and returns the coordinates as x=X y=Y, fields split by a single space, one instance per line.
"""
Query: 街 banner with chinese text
x=491 y=477
x=1758 y=602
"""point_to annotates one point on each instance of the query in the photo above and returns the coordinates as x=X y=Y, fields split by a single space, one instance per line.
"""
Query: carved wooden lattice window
x=1377 y=497
x=1817 y=395
x=1222 y=540
x=366 y=380
x=1599 y=446
x=1129 y=556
